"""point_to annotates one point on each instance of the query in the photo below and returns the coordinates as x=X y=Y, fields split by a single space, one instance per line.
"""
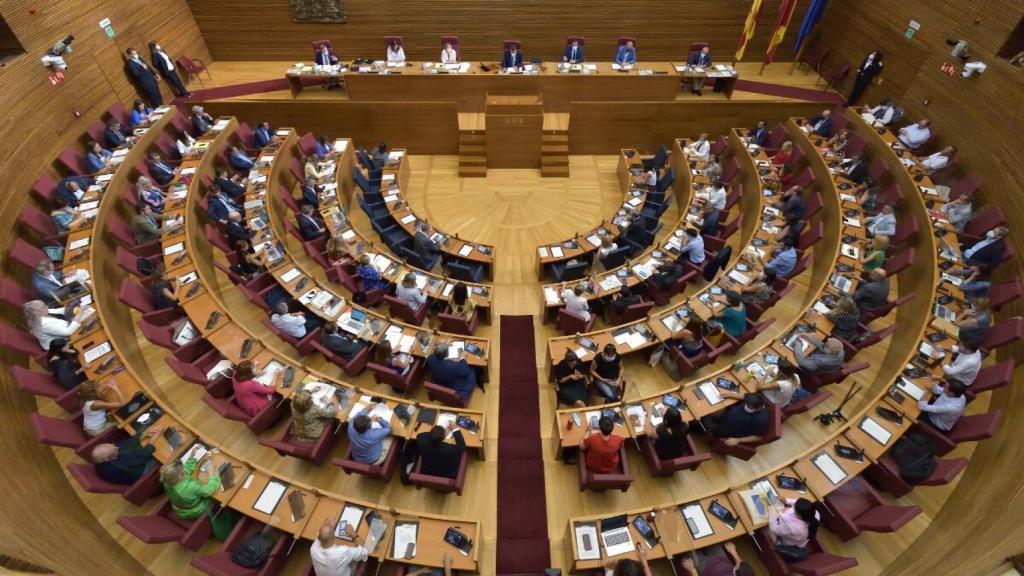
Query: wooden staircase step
x=554 y=171
x=552 y=138
x=472 y=138
x=472 y=149
x=473 y=171
x=472 y=160
x=554 y=161
x=554 y=149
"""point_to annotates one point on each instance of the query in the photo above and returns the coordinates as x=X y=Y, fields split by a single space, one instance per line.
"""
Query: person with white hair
x=201 y=121
x=45 y=324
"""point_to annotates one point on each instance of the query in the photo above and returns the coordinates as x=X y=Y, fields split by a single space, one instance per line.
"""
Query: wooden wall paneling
x=241 y=29
x=606 y=127
x=981 y=116
x=36 y=122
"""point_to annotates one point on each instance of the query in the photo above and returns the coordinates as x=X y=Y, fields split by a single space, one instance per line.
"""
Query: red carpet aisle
x=788 y=91
x=232 y=90
x=523 y=547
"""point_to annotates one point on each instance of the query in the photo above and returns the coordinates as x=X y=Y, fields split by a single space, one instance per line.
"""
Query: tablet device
x=790 y=483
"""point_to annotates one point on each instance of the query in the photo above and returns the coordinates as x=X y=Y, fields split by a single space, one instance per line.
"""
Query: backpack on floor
x=254 y=551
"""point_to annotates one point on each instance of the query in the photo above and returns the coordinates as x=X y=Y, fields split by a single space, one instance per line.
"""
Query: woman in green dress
x=874 y=253
x=190 y=497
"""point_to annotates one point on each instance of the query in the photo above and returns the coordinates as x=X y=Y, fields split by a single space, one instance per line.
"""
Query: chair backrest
x=777 y=136
x=811 y=236
x=878 y=169
x=134 y=295
x=388 y=40
x=118 y=111
x=581 y=39
x=837 y=73
x=15 y=294
x=465 y=271
x=507 y=44
x=966 y=185
x=21 y=342
x=453 y=40
x=73 y=161
x=719 y=146
x=666 y=180
x=575 y=271
x=694 y=48
x=988 y=219
x=636 y=311
x=813 y=205
x=307 y=143
x=1003 y=333
x=45 y=189
x=899 y=262
x=730 y=170
x=96 y=131
x=26 y=254
x=731 y=227
x=616 y=257
x=660 y=157
x=804 y=178
x=624 y=39
x=570 y=323
x=318 y=44
x=38 y=221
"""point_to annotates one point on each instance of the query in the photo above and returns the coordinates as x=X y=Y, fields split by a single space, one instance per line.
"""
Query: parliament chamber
x=331 y=288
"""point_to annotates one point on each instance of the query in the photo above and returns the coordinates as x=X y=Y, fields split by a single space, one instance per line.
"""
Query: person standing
x=145 y=78
x=165 y=67
x=869 y=68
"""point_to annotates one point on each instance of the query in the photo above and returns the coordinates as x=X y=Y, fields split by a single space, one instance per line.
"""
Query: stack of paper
x=875 y=430
x=711 y=393
x=455 y=349
x=551 y=296
x=636 y=340
x=829 y=468
x=556 y=251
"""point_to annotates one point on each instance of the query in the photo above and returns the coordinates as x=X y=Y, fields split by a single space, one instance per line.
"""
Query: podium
x=514 y=127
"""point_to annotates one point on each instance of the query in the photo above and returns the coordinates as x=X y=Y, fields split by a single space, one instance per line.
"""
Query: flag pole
x=803 y=46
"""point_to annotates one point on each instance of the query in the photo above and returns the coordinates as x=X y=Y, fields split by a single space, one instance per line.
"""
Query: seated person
x=784 y=155
x=987 y=252
x=727 y=563
x=369 y=437
x=575 y=303
x=571 y=381
x=94 y=407
x=691 y=338
x=966 y=362
x=709 y=220
x=958 y=212
x=796 y=525
x=820 y=357
x=783 y=259
x=232 y=186
x=667 y=274
x=380 y=156
x=626 y=54
x=294 y=324
x=308 y=418
x=311 y=193
x=701 y=59
x=844 y=317
x=873 y=293
x=387 y=357
x=883 y=223
x=425 y=246
x=162 y=290
x=236 y=228
x=250 y=264
x=760 y=290
x=395 y=53
x=693 y=248
x=127 y=461
x=838 y=143
x=915 y=135
x=733 y=316
x=792 y=202
x=183 y=143
x=341 y=343
x=311 y=225
x=608 y=374
x=97 y=157
x=607 y=246
x=263 y=135
x=151 y=194
x=780 y=384
x=70 y=190
x=573 y=53
x=454 y=374
x=324 y=148
x=449 y=55
x=513 y=58
x=822 y=124
x=945 y=407
x=114 y=136
x=63 y=362
x=868 y=196
x=628 y=566
x=759 y=134
x=48 y=324
x=648 y=179
x=408 y=292
x=744 y=422
x=884 y=112
x=699 y=149
x=437 y=457
x=976 y=321
x=713 y=168
x=873 y=255
x=251 y=395
x=331 y=559
x=669 y=436
x=856 y=169
x=149 y=226
x=201 y=121
x=239 y=161
x=162 y=172
x=601 y=450
x=717 y=195
x=461 y=304
x=939 y=160
x=46 y=281
x=623 y=299
x=372 y=279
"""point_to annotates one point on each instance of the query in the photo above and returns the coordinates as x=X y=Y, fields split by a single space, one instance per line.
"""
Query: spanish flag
x=781 y=23
x=748 y=29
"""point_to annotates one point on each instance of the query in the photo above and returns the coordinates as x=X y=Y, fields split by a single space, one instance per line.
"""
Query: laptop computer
x=615 y=535
x=945 y=313
x=356 y=320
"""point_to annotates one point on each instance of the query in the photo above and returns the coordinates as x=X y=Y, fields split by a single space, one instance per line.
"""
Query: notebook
x=875 y=430
x=829 y=468
x=696 y=520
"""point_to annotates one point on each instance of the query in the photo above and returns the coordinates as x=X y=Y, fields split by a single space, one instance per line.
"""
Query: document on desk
x=466 y=250
x=711 y=393
x=455 y=349
x=80 y=243
x=586 y=541
x=447 y=290
x=551 y=296
x=636 y=340
x=270 y=496
x=97 y=352
x=829 y=468
x=340 y=145
x=290 y=275
x=739 y=277
x=351 y=515
x=850 y=251
x=556 y=251
x=391 y=198
x=913 y=390
x=821 y=308
x=543 y=250
x=408 y=219
x=875 y=430
x=696 y=520
x=610 y=283
x=621 y=338
x=594 y=240
x=174 y=248
x=393 y=335
x=405 y=540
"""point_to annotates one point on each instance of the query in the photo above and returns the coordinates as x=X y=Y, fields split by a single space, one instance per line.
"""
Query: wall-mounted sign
x=107 y=28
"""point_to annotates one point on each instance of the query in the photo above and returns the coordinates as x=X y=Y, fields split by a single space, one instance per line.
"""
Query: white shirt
x=166 y=58
x=51 y=328
x=882 y=223
x=336 y=560
x=886 y=114
x=294 y=326
x=185 y=146
x=576 y=305
x=787 y=387
x=936 y=161
x=945 y=411
x=396 y=56
x=914 y=136
x=414 y=297
x=716 y=197
x=449 y=56
x=652 y=178
x=965 y=368
x=93 y=421
x=700 y=149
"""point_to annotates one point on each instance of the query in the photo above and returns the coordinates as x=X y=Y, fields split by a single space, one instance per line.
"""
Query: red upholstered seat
x=44 y=385
x=856 y=506
x=445 y=395
x=398 y=382
x=441 y=483
x=145 y=488
x=315 y=452
x=220 y=564
x=620 y=479
x=163 y=525
x=571 y=324
x=690 y=460
x=820 y=562
x=380 y=472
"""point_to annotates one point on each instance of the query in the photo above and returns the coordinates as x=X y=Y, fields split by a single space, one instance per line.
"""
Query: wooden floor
x=514 y=210
x=226 y=73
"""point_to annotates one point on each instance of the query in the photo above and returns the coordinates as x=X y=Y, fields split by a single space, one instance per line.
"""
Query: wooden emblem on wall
x=318 y=10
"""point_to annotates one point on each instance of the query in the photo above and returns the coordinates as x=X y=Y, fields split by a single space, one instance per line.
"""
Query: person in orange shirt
x=602 y=450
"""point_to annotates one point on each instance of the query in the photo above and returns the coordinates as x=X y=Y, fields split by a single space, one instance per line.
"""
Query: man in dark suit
x=71 y=189
x=218 y=207
x=792 y=203
x=114 y=136
x=454 y=374
x=702 y=59
x=626 y=54
x=987 y=252
x=438 y=458
x=759 y=134
x=238 y=160
x=624 y=299
x=163 y=65
x=160 y=171
x=423 y=245
x=236 y=227
x=874 y=293
x=573 y=53
x=311 y=226
x=822 y=124
x=709 y=222
x=263 y=135
x=668 y=273
x=340 y=343
x=327 y=57
x=46 y=281
x=201 y=121
x=145 y=78
x=869 y=68
x=513 y=57
x=857 y=169
x=230 y=185
x=311 y=193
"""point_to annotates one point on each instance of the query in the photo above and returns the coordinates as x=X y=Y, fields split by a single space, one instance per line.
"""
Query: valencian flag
x=781 y=23
x=748 y=29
